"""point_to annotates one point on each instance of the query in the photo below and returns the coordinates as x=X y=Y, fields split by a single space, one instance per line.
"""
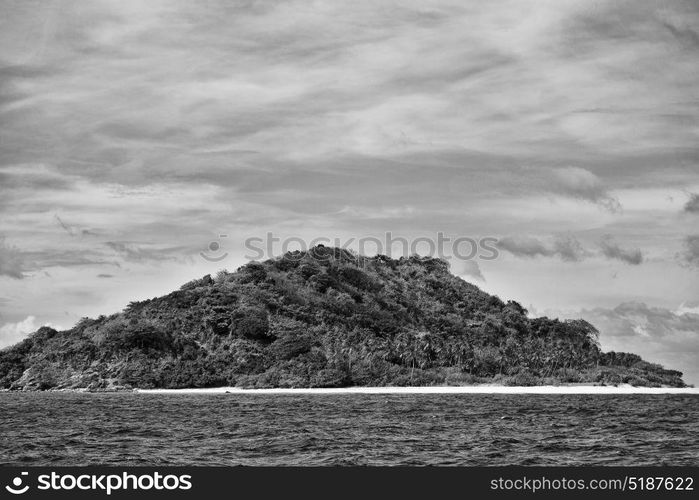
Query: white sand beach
x=472 y=389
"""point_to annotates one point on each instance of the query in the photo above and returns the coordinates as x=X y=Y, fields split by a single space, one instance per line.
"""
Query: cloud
x=567 y=248
x=468 y=268
x=134 y=252
x=39 y=176
x=637 y=318
x=11 y=261
x=692 y=205
x=684 y=34
x=68 y=229
x=524 y=246
x=690 y=255
x=11 y=333
x=658 y=334
x=612 y=250
x=688 y=308
x=583 y=184
x=36 y=260
x=73 y=230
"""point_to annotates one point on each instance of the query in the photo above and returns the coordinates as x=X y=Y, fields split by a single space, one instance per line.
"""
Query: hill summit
x=322 y=318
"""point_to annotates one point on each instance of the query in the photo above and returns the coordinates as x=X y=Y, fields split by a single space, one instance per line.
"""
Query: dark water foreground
x=414 y=429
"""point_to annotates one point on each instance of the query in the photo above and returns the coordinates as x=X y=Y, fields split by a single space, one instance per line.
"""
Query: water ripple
x=412 y=429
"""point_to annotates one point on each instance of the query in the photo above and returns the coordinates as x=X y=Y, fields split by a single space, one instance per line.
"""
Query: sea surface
x=348 y=429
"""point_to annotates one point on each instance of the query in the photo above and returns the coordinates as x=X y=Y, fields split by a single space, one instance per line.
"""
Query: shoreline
x=470 y=389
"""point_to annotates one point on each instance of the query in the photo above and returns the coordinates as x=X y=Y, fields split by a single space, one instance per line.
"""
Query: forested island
x=322 y=318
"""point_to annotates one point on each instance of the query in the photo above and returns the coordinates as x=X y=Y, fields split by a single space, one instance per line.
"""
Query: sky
x=134 y=134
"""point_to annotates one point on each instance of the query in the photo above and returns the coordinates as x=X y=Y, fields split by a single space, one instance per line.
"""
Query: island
x=323 y=318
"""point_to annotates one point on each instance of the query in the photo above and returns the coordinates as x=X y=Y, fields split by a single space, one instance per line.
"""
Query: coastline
x=469 y=389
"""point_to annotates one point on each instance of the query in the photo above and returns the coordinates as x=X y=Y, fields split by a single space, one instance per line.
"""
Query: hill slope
x=323 y=318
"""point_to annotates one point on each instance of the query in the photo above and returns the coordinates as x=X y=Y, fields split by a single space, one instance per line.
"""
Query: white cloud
x=11 y=333
x=688 y=308
x=656 y=333
x=612 y=250
x=467 y=269
x=11 y=261
x=580 y=183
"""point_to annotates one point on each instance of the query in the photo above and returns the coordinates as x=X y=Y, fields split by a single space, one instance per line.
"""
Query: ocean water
x=406 y=429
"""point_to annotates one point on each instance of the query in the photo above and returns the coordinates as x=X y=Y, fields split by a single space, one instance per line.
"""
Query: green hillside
x=323 y=318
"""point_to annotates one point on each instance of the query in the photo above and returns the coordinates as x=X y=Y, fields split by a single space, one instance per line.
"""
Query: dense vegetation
x=323 y=318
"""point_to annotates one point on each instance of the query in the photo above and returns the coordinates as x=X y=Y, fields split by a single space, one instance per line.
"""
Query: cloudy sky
x=133 y=133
